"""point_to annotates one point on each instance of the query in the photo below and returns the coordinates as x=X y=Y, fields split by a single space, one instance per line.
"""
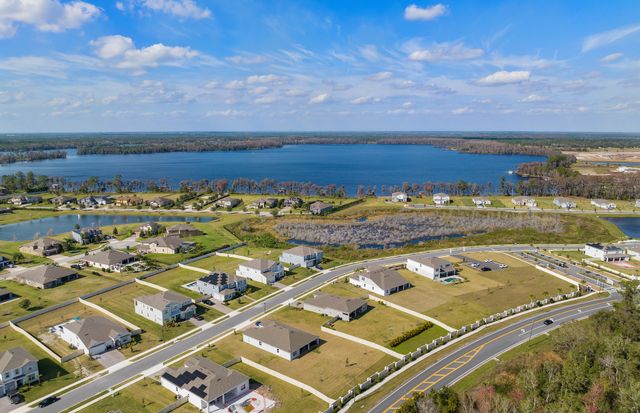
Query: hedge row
x=410 y=334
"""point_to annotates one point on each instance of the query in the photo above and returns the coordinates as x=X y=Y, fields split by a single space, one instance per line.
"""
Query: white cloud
x=414 y=12
x=235 y=84
x=184 y=9
x=407 y=105
x=266 y=79
x=611 y=57
x=227 y=113
x=377 y=77
x=445 y=52
x=265 y=100
x=260 y=90
x=9 y=97
x=44 y=15
x=598 y=40
x=246 y=59
x=533 y=98
x=321 y=98
x=370 y=52
x=295 y=92
x=34 y=65
x=364 y=100
x=504 y=77
x=120 y=52
x=462 y=111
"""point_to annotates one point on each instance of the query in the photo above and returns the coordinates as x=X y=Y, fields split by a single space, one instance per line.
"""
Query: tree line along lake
x=350 y=165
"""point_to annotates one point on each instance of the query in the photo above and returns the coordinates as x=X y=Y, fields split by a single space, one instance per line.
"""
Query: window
x=244 y=386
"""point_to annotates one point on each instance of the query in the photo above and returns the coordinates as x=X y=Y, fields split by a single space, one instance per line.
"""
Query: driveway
x=6 y=406
x=110 y=358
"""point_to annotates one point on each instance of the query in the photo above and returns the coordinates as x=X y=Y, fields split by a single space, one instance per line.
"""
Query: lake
x=348 y=165
x=27 y=230
x=630 y=226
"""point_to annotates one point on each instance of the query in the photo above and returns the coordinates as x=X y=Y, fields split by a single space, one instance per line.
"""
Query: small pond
x=629 y=225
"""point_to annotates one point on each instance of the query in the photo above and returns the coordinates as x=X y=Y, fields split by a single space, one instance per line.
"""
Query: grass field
x=175 y=278
x=255 y=291
x=217 y=263
x=45 y=298
x=147 y=396
x=483 y=294
x=332 y=368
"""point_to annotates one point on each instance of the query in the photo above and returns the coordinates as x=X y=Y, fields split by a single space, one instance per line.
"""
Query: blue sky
x=167 y=65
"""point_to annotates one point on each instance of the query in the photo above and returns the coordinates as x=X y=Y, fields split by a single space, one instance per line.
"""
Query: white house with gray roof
x=346 y=308
x=302 y=256
x=221 y=286
x=441 y=199
x=165 y=307
x=564 y=203
x=433 y=268
x=280 y=339
x=481 y=201
x=207 y=385
x=17 y=368
x=112 y=260
x=380 y=280
x=261 y=270
x=46 y=276
x=94 y=335
x=603 y=204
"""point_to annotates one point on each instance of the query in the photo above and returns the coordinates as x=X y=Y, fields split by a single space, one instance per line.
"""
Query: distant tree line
x=28 y=156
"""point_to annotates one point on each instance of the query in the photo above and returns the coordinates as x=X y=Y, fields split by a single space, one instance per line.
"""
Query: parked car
x=547 y=322
x=208 y=302
x=49 y=400
x=16 y=398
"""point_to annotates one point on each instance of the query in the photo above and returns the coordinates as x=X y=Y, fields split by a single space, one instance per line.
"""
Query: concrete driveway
x=110 y=358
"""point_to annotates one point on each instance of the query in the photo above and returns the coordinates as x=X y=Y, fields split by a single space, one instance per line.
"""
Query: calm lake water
x=27 y=230
x=348 y=165
x=630 y=226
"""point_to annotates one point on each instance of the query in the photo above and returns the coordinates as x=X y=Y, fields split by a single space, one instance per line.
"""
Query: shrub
x=410 y=334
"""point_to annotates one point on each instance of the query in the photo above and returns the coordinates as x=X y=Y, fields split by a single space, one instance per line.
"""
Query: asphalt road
x=471 y=356
x=100 y=384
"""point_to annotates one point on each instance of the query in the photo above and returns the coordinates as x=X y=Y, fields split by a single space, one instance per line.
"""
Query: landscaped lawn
x=175 y=278
x=218 y=263
x=483 y=294
x=255 y=291
x=45 y=298
x=146 y=395
x=296 y=275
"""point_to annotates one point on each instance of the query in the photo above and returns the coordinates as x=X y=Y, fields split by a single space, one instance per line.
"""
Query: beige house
x=163 y=245
x=112 y=260
x=344 y=308
x=280 y=339
x=46 y=276
x=380 y=280
x=183 y=230
x=42 y=247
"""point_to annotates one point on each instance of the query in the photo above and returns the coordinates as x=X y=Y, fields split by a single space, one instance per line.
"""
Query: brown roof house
x=280 y=339
x=345 y=308
x=46 y=276
x=111 y=260
x=183 y=230
x=319 y=208
x=17 y=368
x=94 y=335
x=207 y=385
x=42 y=247
x=380 y=280
x=163 y=245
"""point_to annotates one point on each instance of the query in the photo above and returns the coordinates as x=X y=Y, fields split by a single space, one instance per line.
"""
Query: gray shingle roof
x=95 y=330
x=432 y=262
x=162 y=299
x=109 y=257
x=333 y=302
x=385 y=278
x=280 y=335
x=302 y=251
x=172 y=242
x=15 y=358
x=45 y=274
x=259 y=264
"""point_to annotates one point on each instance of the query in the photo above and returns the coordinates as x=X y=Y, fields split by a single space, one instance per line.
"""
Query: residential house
x=206 y=385
x=280 y=339
x=46 y=276
x=165 y=307
x=320 y=208
x=147 y=229
x=5 y=210
x=43 y=247
x=87 y=235
x=603 y=204
x=129 y=201
x=441 y=199
x=6 y=295
x=380 y=280
x=183 y=230
x=164 y=245
x=564 y=203
x=431 y=267
x=5 y=262
x=524 y=201
x=94 y=335
x=399 y=197
x=266 y=203
x=111 y=260
x=302 y=256
x=261 y=270
x=17 y=368
x=607 y=253
x=344 y=308
x=228 y=202
x=95 y=201
x=481 y=201
x=63 y=200
x=293 y=202
x=160 y=202
x=221 y=286
x=25 y=199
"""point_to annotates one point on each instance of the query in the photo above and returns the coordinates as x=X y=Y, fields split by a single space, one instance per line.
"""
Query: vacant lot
x=217 y=263
x=45 y=298
x=483 y=293
x=332 y=368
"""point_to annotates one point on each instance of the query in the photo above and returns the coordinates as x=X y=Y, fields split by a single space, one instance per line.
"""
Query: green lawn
x=175 y=278
x=255 y=291
x=217 y=263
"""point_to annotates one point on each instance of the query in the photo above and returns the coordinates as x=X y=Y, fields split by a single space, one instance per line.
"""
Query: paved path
x=469 y=357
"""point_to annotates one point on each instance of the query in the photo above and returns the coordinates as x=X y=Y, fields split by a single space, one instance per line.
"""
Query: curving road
x=469 y=357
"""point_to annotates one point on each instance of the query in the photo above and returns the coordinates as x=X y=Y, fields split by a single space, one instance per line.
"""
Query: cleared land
x=484 y=293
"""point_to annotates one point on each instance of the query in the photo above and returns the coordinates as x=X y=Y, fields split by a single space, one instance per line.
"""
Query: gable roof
x=280 y=335
x=432 y=262
x=45 y=274
x=95 y=330
x=109 y=257
x=172 y=242
x=161 y=300
x=204 y=378
x=259 y=264
x=334 y=302
x=302 y=251
x=385 y=278
x=15 y=358
x=44 y=243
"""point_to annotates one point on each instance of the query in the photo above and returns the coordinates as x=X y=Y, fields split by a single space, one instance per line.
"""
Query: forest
x=28 y=156
x=593 y=366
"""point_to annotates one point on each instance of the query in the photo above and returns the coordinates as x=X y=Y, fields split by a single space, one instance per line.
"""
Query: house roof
x=15 y=358
x=95 y=330
x=302 y=251
x=280 y=335
x=432 y=262
x=109 y=257
x=601 y=201
x=259 y=264
x=320 y=205
x=204 y=378
x=4 y=291
x=44 y=243
x=172 y=242
x=45 y=274
x=440 y=194
x=385 y=278
x=334 y=302
x=219 y=278
x=161 y=300
x=607 y=248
